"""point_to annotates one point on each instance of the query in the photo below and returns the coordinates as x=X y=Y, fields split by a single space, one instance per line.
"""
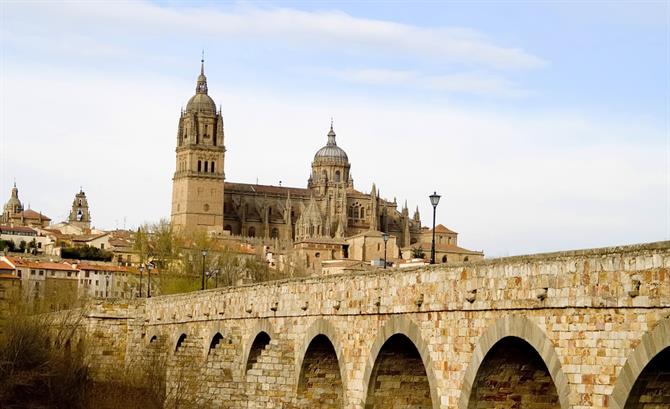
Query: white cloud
x=317 y=29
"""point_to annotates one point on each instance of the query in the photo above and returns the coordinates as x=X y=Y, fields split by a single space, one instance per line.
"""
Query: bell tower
x=197 y=184
x=80 y=215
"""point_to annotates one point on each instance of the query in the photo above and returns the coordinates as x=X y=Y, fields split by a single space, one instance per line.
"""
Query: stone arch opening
x=513 y=374
x=653 y=344
x=319 y=383
x=216 y=340
x=398 y=378
x=153 y=339
x=652 y=388
x=261 y=341
x=180 y=342
x=526 y=330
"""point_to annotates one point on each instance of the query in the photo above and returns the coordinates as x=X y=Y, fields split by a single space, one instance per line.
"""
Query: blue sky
x=544 y=124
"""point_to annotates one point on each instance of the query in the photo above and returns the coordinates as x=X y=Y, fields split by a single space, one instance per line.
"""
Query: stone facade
x=570 y=330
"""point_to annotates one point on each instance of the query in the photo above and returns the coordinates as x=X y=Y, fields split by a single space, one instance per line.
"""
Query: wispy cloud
x=464 y=82
x=314 y=28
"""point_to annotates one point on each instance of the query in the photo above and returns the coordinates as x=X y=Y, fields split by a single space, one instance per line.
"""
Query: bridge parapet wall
x=630 y=276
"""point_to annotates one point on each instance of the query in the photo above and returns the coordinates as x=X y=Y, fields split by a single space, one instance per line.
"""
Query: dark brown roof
x=230 y=187
x=31 y=214
x=17 y=229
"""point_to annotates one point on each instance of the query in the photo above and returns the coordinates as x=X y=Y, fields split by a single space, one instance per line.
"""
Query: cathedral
x=329 y=210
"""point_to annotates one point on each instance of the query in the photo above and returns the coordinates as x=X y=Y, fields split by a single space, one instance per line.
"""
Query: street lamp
x=385 y=236
x=141 y=271
x=149 y=267
x=434 y=200
x=204 y=254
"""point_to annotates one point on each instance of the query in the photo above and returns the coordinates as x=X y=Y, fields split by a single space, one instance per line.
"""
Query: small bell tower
x=80 y=215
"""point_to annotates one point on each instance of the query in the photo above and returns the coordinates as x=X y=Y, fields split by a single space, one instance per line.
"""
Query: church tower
x=12 y=207
x=80 y=216
x=197 y=185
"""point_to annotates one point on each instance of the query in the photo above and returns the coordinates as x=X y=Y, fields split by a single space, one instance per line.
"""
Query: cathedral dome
x=331 y=152
x=201 y=103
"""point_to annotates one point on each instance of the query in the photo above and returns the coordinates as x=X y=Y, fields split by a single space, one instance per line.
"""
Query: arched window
x=362 y=213
x=213 y=167
x=444 y=259
x=351 y=212
x=311 y=230
x=251 y=232
x=206 y=166
x=325 y=175
x=356 y=213
x=337 y=175
x=275 y=233
x=199 y=166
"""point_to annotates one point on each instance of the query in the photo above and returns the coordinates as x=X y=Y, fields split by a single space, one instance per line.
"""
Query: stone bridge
x=569 y=330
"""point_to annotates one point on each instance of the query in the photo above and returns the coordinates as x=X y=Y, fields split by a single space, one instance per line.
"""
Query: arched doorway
x=398 y=378
x=652 y=388
x=320 y=384
x=513 y=374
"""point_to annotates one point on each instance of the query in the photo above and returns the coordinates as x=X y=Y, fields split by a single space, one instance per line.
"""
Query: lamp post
x=434 y=200
x=141 y=271
x=149 y=267
x=204 y=254
x=385 y=236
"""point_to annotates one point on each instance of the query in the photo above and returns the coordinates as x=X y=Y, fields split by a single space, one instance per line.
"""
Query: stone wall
x=595 y=319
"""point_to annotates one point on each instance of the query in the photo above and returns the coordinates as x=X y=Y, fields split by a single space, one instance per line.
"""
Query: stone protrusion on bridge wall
x=588 y=324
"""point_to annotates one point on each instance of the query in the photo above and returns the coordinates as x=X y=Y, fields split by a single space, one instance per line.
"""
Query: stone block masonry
x=579 y=329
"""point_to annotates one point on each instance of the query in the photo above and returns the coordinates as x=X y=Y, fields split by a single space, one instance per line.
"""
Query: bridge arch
x=325 y=331
x=524 y=329
x=651 y=344
x=263 y=326
x=403 y=327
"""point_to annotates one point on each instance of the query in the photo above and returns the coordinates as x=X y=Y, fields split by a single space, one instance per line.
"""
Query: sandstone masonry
x=561 y=330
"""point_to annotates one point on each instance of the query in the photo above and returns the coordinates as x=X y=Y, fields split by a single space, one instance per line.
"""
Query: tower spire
x=331 y=134
x=201 y=87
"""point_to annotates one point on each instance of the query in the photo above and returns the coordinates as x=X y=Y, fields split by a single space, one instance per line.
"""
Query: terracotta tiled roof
x=264 y=189
x=17 y=229
x=31 y=214
x=52 y=266
x=440 y=228
x=5 y=266
x=19 y=262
